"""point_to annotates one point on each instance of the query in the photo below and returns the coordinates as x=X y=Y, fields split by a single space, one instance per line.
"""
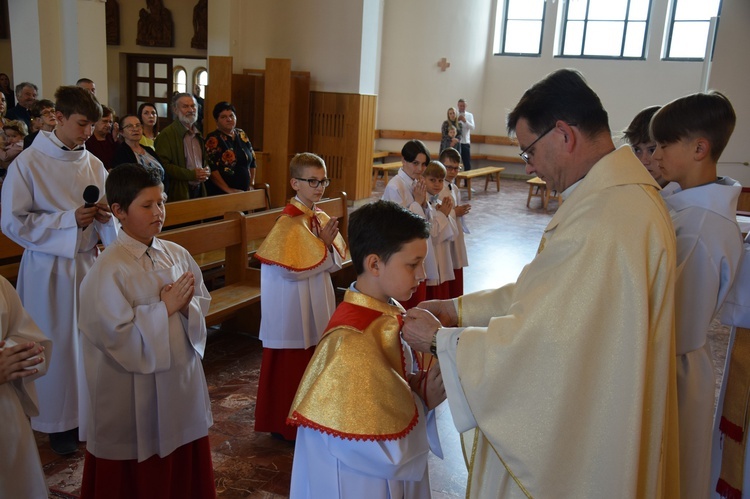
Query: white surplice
x=459 y=257
x=709 y=246
x=21 y=472
x=399 y=190
x=43 y=188
x=143 y=368
x=442 y=232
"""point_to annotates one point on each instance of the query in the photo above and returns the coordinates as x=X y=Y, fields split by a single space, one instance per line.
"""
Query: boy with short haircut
x=43 y=210
x=451 y=159
x=362 y=409
x=143 y=335
x=438 y=264
x=638 y=136
x=297 y=296
x=691 y=133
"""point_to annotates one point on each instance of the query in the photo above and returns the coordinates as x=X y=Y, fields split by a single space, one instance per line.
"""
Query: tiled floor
x=504 y=237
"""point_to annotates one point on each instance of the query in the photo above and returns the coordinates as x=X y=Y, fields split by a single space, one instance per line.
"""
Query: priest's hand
x=419 y=328
x=329 y=231
x=16 y=361
x=444 y=310
x=103 y=214
x=177 y=296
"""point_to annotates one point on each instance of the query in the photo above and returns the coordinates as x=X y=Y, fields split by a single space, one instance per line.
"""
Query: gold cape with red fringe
x=355 y=385
x=292 y=244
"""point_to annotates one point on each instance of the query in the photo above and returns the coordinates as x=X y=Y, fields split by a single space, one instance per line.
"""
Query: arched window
x=200 y=77
x=180 y=79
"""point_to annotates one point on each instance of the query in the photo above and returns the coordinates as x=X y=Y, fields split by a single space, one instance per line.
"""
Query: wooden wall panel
x=276 y=123
x=219 y=88
x=341 y=131
x=247 y=96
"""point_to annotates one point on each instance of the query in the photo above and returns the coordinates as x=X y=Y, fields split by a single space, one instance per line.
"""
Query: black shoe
x=64 y=442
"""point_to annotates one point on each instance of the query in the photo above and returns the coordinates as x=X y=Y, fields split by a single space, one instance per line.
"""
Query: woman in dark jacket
x=130 y=150
x=230 y=154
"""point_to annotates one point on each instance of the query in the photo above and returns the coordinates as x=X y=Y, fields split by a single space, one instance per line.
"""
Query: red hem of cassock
x=186 y=473
x=456 y=286
x=281 y=371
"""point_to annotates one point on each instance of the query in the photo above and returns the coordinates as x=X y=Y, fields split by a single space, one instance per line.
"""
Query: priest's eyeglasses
x=314 y=182
x=525 y=156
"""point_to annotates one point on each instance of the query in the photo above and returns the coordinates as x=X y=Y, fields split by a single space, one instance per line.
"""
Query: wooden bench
x=197 y=210
x=385 y=169
x=485 y=172
x=381 y=155
x=538 y=187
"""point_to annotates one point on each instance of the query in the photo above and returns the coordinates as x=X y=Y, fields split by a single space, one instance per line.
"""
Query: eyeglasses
x=48 y=112
x=525 y=154
x=134 y=126
x=456 y=168
x=314 y=182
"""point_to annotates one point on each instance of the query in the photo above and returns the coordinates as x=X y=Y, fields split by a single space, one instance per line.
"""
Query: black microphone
x=90 y=196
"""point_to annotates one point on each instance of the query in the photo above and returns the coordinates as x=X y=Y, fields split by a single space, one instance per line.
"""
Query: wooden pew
x=485 y=172
x=385 y=169
x=198 y=210
x=10 y=258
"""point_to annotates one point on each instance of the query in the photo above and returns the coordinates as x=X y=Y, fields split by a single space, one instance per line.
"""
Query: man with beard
x=183 y=154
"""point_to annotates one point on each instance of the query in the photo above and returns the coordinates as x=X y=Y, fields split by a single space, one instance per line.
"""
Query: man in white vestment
x=563 y=383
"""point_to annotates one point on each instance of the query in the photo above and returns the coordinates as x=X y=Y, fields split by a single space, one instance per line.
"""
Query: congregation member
x=43 y=210
x=6 y=88
x=691 y=133
x=130 y=150
x=466 y=121
x=150 y=121
x=42 y=118
x=364 y=407
x=26 y=93
x=101 y=143
x=230 y=154
x=563 y=383
x=451 y=123
x=181 y=148
x=88 y=84
x=297 y=297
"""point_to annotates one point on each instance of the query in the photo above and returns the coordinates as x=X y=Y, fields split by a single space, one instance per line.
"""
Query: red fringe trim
x=298 y=420
x=732 y=430
x=726 y=490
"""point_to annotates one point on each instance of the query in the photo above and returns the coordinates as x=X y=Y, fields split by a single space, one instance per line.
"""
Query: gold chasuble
x=355 y=385
x=293 y=242
x=570 y=372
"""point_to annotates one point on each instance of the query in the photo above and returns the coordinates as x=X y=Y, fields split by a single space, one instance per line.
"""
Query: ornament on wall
x=443 y=64
x=155 y=26
x=200 y=25
x=112 y=26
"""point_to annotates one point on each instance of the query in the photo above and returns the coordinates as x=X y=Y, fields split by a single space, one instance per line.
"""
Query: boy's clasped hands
x=177 y=296
x=17 y=361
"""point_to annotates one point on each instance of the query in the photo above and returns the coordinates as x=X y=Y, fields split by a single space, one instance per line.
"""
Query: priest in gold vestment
x=563 y=384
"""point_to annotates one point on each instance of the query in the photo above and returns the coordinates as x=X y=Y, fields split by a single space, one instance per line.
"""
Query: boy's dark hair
x=413 y=148
x=450 y=153
x=382 y=228
x=39 y=106
x=71 y=100
x=108 y=111
x=302 y=160
x=561 y=95
x=127 y=180
x=638 y=131
x=708 y=115
x=435 y=169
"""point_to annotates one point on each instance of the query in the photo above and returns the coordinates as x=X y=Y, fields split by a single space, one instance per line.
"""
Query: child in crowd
x=297 y=296
x=143 y=334
x=408 y=189
x=451 y=158
x=43 y=210
x=439 y=267
x=690 y=134
x=638 y=135
x=15 y=131
x=362 y=408
x=24 y=356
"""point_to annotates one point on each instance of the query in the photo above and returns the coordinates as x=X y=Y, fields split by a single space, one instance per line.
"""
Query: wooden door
x=150 y=79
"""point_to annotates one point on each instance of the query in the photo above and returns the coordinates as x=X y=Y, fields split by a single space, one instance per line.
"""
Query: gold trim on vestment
x=292 y=243
x=355 y=385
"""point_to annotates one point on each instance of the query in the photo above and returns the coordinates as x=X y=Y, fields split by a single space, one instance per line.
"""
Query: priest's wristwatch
x=433 y=345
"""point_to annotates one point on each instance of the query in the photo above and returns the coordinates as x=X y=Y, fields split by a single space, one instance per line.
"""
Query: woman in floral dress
x=230 y=154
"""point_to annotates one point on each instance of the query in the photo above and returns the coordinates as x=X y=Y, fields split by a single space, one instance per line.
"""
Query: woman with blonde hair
x=448 y=141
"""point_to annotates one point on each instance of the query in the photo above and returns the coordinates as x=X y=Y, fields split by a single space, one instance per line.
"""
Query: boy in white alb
x=451 y=159
x=439 y=265
x=297 y=296
x=24 y=356
x=143 y=335
x=691 y=133
x=364 y=411
x=43 y=210
x=408 y=189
